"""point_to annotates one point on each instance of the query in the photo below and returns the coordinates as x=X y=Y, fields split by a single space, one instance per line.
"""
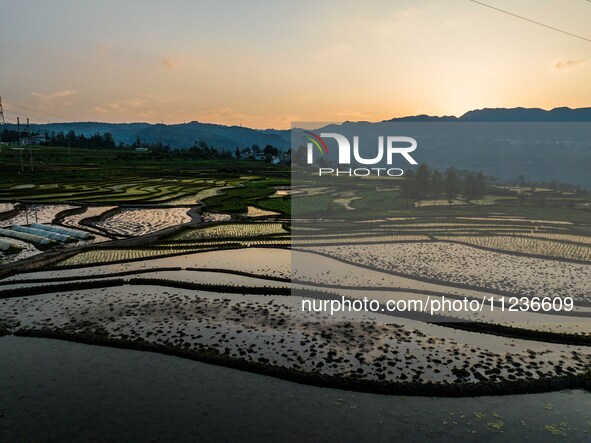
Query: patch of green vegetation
x=496 y=425
x=558 y=213
x=237 y=199
x=230 y=231
x=378 y=203
x=282 y=205
x=559 y=429
x=320 y=205
x=126 y=176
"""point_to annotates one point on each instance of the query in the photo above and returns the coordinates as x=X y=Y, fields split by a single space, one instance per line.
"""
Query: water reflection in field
x=53 y=390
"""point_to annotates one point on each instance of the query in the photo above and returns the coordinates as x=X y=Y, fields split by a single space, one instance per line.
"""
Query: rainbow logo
x=318 y=142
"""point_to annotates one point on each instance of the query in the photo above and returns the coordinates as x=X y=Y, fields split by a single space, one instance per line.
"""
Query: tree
x=73 y=140
x=422 y=181
x=298 y=158
x=436 y=185
x=479 y=185
x=107 y=141
x=452 y=187
x=270 y=152
x=469 y=190
x=408 y=187
x=237 y=153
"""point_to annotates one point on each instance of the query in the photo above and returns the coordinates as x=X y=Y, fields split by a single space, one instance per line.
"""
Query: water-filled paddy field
x=242 y=307
x=213 y=271
x=101 y=394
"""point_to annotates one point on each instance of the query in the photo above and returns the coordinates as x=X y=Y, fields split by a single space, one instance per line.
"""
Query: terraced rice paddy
x=195 y=388
x=146 y=190
x=5 y=207
x=264 y=329
x=142 y=190
x=232 y=231
x=211 y=217
x=135 y=222
x=268 y=329
x=533 y=237
x=212 y=192
x=262 y=262
x=253 y=211
x=226 y=288
x=284 y=192
x=463 y=265
x=341 y=239
x=346 y=202
x=75 y=220
x=35 y=214
x=106 y=255
x=535 y=246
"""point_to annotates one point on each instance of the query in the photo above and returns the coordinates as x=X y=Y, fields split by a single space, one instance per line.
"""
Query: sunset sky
x=268 y=64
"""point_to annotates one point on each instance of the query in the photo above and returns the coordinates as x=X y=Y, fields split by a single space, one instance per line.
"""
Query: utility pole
x=2 y=121
x=20 y=148
x=29 y=143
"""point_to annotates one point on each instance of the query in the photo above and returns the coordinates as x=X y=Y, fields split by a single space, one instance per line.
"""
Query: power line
x=36 y=112
x=532 y=21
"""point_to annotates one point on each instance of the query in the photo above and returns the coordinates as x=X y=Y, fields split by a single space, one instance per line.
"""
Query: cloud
x=568 y=63
x=122 y=106
x=54 y=95
x=170 y=63
x=148 y=106
x=54 y=100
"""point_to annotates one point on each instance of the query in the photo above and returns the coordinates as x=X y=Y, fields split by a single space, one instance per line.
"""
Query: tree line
x=95 y=141
x=199 y=150
x=425 y=183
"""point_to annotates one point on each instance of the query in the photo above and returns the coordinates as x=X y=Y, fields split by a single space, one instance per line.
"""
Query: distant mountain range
x=522 y=115
x=184 y=135
x=541 y=145
x=540 y=150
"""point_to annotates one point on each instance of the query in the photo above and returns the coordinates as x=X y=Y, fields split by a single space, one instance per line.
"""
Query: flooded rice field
x=75 y=220
x=269 y=330
x=34 y=214
x=141 y=221
x=264 y=325
x=253 y=211
x=210 y=217
x=462 y=264
x=115 y=391
x=232 y=293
